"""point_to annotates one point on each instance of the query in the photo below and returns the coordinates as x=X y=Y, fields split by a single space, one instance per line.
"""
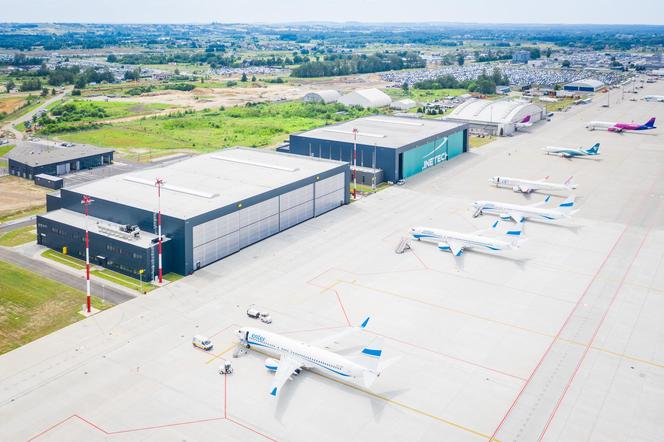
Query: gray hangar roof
x=207 y=182
x=34 y=154
x=384 y=131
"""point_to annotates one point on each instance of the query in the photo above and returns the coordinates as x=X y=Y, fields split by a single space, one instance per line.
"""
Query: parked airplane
x=527 y=186
x=620 y=127
x=520 y=213
x=659 y=98
x=294 y=356
x=524 y=123
x=456 y=242
x=571 y=152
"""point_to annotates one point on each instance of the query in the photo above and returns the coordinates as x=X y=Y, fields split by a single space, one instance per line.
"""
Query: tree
x=548 y=52
x=566 y=64
x=112 y=58
x=80 y=82
x=253 y=78
x=76 y=92
x=177 y=71
x=461 y=59
x=10 y=86
x=244 y=77
x=404 y=87
x=44 y=92
x=53 y=91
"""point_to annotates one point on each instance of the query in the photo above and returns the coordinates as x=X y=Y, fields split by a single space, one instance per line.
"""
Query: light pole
x=159 y=182
x=86 y=202
x=354 y=163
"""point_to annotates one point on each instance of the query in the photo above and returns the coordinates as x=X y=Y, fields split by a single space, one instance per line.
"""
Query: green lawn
x=19 y=236
x=22 y=213
x=106 y=274
x=172 y=277
x=4 y=149
x=123 y=280
x=254 y=126
x=33 y=306
x=67 y=260
x=557 y=106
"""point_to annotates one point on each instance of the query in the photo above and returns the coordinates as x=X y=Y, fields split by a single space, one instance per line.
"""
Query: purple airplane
x=620 y=127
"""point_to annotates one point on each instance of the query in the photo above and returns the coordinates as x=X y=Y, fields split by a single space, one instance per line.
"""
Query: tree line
x=484 y=84
x=358 y=64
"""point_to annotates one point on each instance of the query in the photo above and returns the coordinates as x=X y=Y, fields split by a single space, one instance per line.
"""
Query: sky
x=280 y=11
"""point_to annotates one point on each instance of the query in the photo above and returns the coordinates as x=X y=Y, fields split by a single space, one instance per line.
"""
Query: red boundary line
x=342 y=306
x=592 y=339
x=553 y=341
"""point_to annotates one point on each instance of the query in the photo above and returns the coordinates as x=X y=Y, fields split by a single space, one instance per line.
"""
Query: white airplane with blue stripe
x=573 y=152
x=456 y=242
x=364 y=365
x=520 y=213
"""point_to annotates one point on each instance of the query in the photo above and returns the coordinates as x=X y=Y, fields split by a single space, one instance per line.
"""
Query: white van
x=202 y=342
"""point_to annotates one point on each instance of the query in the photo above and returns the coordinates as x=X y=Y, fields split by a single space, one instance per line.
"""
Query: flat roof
x=98 y=226
x=35 y=154
x=384 y=130
x=207 y=182
x=48 y=177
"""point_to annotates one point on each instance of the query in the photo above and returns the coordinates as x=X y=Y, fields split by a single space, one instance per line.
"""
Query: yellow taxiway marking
x=221 y=354
x=397 y=403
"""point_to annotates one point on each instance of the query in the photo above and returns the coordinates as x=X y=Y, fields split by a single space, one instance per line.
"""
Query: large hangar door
x=330 y=193
x=296 y=206
x=215 y=239
x=259 y=221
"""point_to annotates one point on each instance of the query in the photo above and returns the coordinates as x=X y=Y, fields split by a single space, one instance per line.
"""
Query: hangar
x=212 y=206
x=366 y=98
x=401 y=147
x=325 y=96
x=29 y=159
x=495 y=117
x=587 y=85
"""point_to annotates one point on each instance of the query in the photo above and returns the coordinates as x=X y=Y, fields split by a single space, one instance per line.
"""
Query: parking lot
x=559 y=340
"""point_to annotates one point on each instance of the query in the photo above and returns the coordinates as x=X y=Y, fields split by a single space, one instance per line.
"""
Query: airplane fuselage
x=517 y=184
x=616 y=127
x=468 y=240
x=503 y=210
x=567 y=152
x=311 y=357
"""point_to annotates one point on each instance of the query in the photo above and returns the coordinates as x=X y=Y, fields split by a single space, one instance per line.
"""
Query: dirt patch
x=9 y=105
x=18 y=194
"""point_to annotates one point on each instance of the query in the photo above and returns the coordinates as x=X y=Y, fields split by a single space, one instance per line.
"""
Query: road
x=20 y=135
x=111 y=294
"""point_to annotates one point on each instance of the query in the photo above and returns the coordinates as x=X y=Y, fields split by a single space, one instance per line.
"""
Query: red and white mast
x=354 y=163
x=159 y=182
x=86 y=202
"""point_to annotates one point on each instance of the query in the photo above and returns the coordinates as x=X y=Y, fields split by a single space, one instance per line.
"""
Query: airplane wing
x=455 y=246
x=287 y=365
x=525 y=189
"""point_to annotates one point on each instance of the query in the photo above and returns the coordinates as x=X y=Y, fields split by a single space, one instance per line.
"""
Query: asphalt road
x=110 y=294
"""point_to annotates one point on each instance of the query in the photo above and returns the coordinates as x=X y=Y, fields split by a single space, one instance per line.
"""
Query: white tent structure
x=495 y=117
x=366 y=98
x=404 y=104
x=324 y=96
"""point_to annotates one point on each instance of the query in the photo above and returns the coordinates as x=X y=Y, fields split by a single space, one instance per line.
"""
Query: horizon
x=484 y=12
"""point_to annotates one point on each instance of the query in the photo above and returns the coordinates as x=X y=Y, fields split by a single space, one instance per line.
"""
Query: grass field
x=33 y=306
x=18 y=236
x=253 y=126
x=557 y=106
x=111 y=109
x=476 y=141
x=20 y=197
x=424 y=95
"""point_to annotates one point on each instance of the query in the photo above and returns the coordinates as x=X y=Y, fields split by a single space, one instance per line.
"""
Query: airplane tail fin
x=526 y=119
x=594 y=149
x=650 y=123
x=567 y=207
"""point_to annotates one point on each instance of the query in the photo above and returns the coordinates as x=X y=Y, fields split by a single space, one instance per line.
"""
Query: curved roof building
x=495 y=117
x=324 y=96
